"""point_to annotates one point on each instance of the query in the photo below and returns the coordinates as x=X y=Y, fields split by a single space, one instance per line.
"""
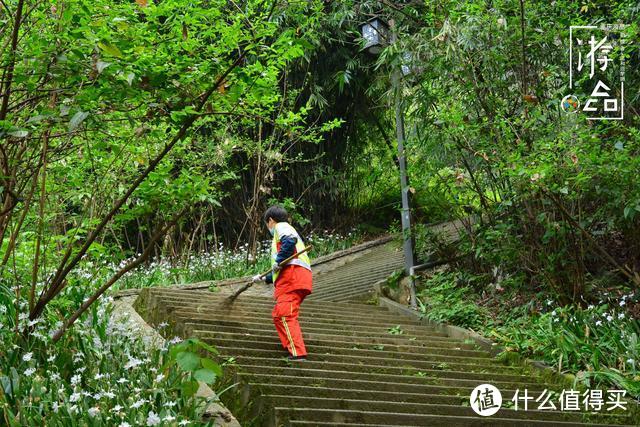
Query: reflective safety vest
x=285 y=229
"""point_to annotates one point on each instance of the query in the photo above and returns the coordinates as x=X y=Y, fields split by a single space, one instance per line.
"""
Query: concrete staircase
x=366 y=365
x=354 y=280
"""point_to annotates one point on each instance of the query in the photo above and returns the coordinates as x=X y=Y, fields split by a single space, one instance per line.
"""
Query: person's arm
x=287 y=248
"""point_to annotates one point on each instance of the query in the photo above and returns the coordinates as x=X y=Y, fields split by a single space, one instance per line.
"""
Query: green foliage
x=600 y=343
x=442 y=300
x=395 y=330
x=101 y=373
x=185 y=356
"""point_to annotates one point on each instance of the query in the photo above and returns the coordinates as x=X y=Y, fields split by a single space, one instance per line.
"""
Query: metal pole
x=404 y=184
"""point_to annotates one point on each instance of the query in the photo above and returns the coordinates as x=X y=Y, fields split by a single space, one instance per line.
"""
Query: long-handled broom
x=233 y=297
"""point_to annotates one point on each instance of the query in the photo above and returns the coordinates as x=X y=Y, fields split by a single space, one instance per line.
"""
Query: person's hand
x=275 y=267
x=256 y=278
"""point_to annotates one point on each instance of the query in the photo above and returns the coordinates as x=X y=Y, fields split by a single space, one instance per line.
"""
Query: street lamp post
x=377 y=34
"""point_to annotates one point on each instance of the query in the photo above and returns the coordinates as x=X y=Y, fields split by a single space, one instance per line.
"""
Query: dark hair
x=278 y=213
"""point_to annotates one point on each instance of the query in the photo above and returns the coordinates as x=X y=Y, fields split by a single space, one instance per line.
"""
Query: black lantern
x=375 y=32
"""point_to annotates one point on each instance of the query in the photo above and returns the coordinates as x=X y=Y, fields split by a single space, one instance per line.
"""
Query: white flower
x=132 y=363
x=116 y=408
x=75 y=379
x=124 y=424
x=163 y=325
x=175 y=340
x=29 y=371
x=590 y=307
x=93 y=411
x=123 y=380
x=620 y=315
x=630 y=361
x=109 y=394
x=622 y=303
x=99 y=376
x=609 y=318
x=170 y=404
x=55 y=407
x=27 y=357
x=183 y=422
x=51 y=358
x=599 y=322
x=55 y=376
x=153 y=419
x=159 y=378
x=169 y=418
x=75 y=397
x=138 y=404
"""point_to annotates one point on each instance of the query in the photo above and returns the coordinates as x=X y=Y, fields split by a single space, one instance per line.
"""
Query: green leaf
x=212 y=366
x=205 y=375
x=189 y=388
x=208 y=347
x=110 y=49
x=188 y=361
x=77 y=119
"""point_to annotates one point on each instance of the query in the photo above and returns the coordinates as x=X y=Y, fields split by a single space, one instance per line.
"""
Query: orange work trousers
x=285 y=317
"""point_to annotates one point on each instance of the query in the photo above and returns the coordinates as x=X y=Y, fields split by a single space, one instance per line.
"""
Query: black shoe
x=296 y=358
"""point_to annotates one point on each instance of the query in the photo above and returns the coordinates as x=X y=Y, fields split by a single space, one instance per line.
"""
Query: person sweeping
x=292 y=282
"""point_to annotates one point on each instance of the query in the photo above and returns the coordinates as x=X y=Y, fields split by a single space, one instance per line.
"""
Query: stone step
x=266 y=323
x=399 y=355
x=406 y=325
x=314 y=348
x=381 y=386
x=266 y=388
x=337 y=416
x=367 y=328
x=358 y=364
x=422 y=408
x=188 y=327
x=346 y=282
x=426 y=361
x=338 y=341
x=393 y=370
x=378 y=264
x=348 y=278
x=344 y=296
x=336 y=289
x=300 y=370
x=315 y=423
x=212 y=299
